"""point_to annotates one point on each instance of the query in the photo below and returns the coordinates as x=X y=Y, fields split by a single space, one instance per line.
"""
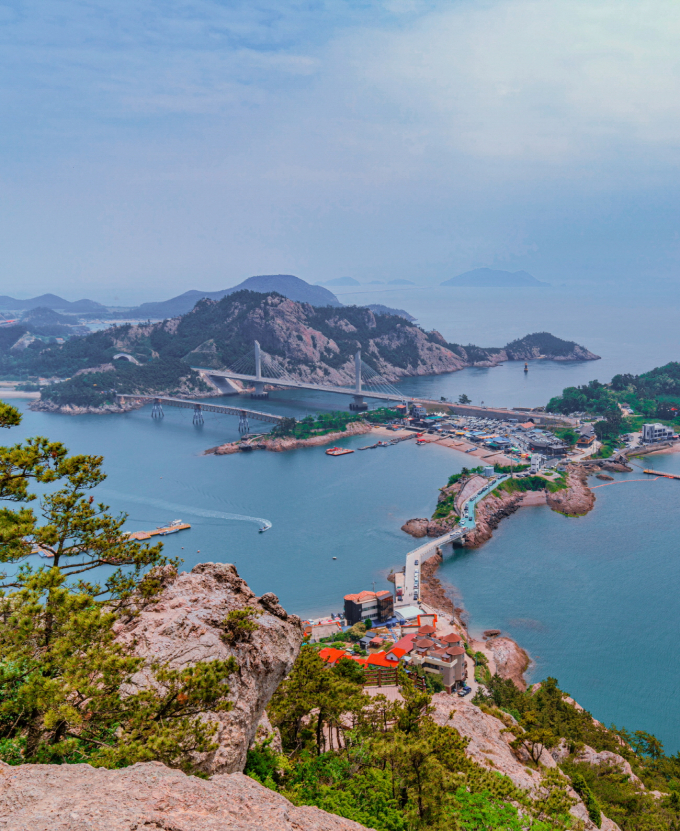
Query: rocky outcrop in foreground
x=147 y=797
x=184 y=625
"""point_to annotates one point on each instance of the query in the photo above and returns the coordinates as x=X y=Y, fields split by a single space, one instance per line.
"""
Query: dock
x=661 y=473
x=162 y=531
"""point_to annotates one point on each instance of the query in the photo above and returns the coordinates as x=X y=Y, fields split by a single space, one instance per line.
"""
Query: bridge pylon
x=243 y=426
x=198 y=414
x=157 y=409
x=259 y=391
x=357 y=404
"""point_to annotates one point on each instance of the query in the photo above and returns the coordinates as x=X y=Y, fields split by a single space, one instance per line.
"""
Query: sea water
x=594 y=600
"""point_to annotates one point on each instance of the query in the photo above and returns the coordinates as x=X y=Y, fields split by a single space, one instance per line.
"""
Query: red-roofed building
x=378 y=606
x=439 y=657
x=452 y=639
x=396 y=653
x=380 y=659
x=427 y=630
x=406 y=643
x=330 y=654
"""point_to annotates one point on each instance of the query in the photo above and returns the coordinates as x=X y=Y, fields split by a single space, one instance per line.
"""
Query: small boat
x=338 y=451
x=175 y=526
x=335 y=558
x=264 y=528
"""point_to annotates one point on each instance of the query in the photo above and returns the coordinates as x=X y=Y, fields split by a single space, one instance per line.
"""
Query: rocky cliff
x=309 y=343
x=147 y=797
x=489 y=745
x=185 y=624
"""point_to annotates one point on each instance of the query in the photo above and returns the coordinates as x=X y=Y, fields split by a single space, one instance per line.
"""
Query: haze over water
x=594 y=600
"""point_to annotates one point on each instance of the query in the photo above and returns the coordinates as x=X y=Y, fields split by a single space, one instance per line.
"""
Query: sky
x=150 y=147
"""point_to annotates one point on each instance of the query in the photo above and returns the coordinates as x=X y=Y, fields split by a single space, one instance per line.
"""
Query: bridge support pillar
x=157 y=409
x=243 y=426
x=259 y=392
x=198 y=414
x=358 y=404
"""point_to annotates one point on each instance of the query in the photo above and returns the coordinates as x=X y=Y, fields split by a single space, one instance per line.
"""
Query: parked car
x=464 y=691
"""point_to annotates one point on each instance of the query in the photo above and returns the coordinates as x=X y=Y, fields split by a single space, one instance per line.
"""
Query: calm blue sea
x=594 y=600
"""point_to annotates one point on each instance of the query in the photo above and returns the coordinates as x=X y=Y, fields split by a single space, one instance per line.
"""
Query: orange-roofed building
x=405 y=643
x=380 y=659
x=378 y=606
x=395 y=654
x=330 y=654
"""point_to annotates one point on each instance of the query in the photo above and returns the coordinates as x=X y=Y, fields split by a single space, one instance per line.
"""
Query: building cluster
x=420 y=645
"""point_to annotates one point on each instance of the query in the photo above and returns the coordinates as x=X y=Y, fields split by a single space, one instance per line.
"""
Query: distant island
x=312 y=344
x=50 y=301
x=493 y=278
x=286 y=284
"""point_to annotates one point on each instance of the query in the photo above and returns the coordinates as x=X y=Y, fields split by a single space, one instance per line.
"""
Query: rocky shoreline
x=42 y=405
x=506 y=657
x=278 y=445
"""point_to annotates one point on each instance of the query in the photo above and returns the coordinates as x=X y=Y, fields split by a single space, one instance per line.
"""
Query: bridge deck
x=183 y=403
x=290 y=384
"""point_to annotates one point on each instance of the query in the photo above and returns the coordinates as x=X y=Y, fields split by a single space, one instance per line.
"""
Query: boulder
x=147 y=796
x=183 y=626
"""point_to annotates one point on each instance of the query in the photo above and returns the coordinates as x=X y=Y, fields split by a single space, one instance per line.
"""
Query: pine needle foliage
x=69 y=691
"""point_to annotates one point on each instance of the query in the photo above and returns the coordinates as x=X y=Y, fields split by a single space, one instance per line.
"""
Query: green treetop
x=69 y=691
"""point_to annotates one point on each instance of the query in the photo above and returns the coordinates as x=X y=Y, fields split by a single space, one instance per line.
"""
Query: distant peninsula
x=493 y=278
x=316 y=345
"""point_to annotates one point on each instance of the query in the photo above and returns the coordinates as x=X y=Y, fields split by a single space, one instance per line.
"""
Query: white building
x=536 y=462
x=656 y=432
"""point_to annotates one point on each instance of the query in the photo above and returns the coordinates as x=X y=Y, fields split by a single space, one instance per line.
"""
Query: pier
x=661 y=473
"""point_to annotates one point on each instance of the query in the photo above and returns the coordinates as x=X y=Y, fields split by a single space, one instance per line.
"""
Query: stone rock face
x=420 y=527
x=509 y=659
x=184 y=626
x=490 y=746
x=490 y=511
x=432 y=591
x=147 y=797
x=594 y=757
x=577 y=499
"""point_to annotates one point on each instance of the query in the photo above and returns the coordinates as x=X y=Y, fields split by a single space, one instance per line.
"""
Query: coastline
x=278 y=445
x=504 y=655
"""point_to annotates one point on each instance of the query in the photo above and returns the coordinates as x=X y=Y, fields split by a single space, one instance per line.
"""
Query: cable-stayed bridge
x=258 y=369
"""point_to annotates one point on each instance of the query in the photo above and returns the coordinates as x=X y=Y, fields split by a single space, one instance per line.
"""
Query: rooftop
x=365 y=596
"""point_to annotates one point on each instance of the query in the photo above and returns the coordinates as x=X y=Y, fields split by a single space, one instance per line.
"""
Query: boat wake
x=264 y=524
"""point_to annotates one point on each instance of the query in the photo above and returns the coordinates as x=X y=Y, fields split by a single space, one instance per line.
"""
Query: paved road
x=415 y=558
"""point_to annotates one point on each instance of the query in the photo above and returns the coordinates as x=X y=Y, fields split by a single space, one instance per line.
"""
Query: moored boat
x=338 y=451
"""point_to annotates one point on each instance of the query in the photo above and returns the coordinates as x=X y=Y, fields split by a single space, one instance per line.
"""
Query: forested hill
x=311 y=343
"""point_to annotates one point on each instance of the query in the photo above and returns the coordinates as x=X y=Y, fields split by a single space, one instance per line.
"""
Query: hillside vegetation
x=315 y=344
x=652 y=395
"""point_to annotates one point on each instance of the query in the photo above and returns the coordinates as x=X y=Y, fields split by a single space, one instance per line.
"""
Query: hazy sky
x=150 y=147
